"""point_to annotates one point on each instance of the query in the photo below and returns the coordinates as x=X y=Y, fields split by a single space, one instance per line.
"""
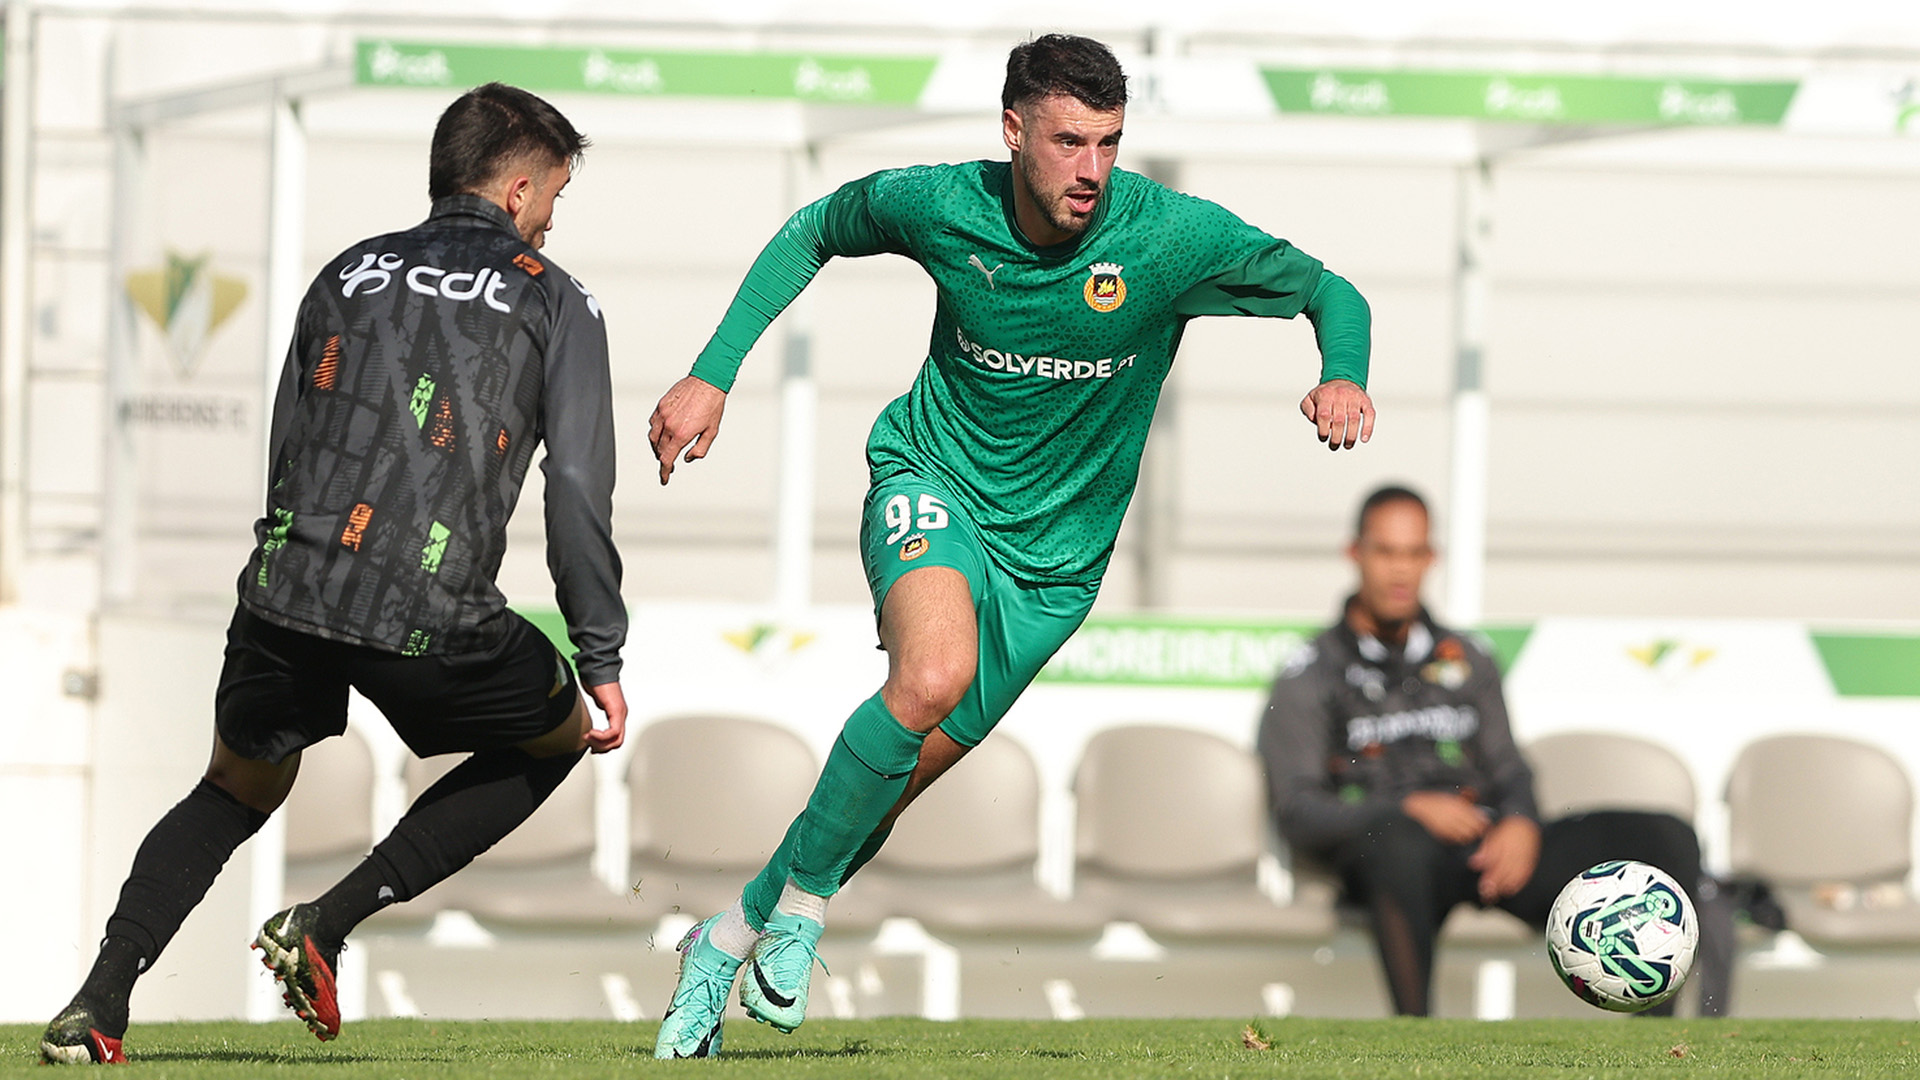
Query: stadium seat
x=697 y=839
x=1827 y=823
x=329 y=815
x=1578 y=772
x=1171 y=826
x=542 y=872
x=963 y=856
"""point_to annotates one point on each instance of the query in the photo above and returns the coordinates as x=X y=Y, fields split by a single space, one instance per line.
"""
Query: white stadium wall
x=1699 y=361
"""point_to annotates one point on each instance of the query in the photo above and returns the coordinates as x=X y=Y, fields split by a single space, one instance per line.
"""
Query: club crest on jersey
x=915 y=547
x=1104 y=289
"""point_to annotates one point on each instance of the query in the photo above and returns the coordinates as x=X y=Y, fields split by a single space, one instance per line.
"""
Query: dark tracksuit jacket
x=1352 y=726
x=425 y=368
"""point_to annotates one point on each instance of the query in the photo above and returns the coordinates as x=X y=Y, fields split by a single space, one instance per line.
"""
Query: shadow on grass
x=850 y=1049
x=241 y=1055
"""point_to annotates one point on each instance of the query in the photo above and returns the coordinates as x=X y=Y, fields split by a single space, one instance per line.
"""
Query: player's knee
x=1397 y=840
x=923 y=695
x=257 y=785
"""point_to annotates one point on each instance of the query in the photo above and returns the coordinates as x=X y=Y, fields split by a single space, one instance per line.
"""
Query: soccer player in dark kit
x=426 y=367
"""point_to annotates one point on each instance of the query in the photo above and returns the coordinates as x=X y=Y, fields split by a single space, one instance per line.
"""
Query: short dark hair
x=1391 y=493
x=490 y=128
x=1077 y=67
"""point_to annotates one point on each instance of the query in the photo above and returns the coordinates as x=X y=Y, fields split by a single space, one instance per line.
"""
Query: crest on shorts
x=915 y=547
x=1105 y=289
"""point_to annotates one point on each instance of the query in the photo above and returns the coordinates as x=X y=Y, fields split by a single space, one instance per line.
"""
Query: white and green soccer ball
x=1622 y=935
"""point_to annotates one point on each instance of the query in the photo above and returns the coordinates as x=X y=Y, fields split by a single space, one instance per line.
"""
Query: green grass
x=1120 y=1049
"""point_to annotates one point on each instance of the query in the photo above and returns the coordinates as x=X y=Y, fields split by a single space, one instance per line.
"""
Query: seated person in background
x=1389 y=757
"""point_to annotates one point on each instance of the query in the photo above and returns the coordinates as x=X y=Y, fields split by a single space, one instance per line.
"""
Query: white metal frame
x=16 y=157
x=130 y=122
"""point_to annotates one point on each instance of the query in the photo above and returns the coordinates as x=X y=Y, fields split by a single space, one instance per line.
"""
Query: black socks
x=468 y=811
x=172 y=871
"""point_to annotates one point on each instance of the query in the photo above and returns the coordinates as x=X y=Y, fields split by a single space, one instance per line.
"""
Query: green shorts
x=910 y=523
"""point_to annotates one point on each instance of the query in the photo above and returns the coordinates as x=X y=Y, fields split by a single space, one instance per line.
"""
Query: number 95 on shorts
x=909 y=523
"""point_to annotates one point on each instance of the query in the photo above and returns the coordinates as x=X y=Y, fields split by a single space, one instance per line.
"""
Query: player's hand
x=1450 y=817
x=687 y=418
x=614 y=703
x=1340 y=412
x=1506 y=858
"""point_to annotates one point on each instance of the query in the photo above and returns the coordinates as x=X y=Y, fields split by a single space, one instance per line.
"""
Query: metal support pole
x=285 y=284
x=16 y=291
x=286 y=248
x=1466 y=552
x=1156 y=497
x=120 y=480
x=799 y=401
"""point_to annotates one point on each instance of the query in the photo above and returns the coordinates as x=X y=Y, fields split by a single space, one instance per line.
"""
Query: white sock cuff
x=732 y=934
x=797 y=901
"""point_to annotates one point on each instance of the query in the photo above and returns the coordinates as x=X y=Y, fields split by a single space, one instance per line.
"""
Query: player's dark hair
x=1077 y=67
x=490 y=128
x=1392 y=493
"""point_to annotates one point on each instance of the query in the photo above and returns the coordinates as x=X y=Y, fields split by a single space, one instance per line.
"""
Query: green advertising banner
x=1148 y=651
x=1159 y=652
x=850 y=80
x=1543 y=99
x=1871 y=665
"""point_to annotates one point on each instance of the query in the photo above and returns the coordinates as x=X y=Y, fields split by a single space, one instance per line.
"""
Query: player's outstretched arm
x=1341 y=413
x=687 y=418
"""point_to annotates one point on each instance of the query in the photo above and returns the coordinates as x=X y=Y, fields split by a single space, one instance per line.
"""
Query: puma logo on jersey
x=974 y=260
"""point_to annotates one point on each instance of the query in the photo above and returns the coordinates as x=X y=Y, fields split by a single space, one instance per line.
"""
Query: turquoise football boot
x=691 y=1028
x=774 y=990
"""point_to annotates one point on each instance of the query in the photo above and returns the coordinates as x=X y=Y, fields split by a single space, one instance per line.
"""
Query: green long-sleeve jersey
x=1045 y=363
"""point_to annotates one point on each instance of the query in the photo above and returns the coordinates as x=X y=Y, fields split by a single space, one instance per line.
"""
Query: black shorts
x=282 y=691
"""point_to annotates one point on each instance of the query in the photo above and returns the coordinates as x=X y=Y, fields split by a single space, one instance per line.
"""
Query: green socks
x=864 y=776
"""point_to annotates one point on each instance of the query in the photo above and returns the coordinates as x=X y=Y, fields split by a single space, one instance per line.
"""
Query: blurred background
x=1645 y=284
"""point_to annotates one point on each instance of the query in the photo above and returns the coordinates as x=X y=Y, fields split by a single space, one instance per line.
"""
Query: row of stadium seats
x=1170 y=833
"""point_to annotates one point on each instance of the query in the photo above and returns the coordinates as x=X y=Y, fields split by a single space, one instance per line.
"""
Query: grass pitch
x=1118 y=1049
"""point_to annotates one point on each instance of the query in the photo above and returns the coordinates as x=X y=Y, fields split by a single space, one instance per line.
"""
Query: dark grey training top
x=425 y=368
x=1354 y=725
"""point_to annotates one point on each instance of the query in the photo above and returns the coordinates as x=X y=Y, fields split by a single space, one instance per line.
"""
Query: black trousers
x=1408 y=881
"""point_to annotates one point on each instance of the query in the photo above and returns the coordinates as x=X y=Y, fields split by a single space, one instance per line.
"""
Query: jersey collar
x=476 y=209
x=1421 y=638
x=1065 y=248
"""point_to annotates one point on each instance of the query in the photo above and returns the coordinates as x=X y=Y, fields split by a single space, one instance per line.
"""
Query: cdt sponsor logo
x=376 y=271
x=1045 y=367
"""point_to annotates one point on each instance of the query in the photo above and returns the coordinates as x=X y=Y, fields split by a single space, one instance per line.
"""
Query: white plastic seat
x=1827 y=823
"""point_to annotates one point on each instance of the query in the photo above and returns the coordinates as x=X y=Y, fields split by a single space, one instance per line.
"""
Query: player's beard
x=1053 y=204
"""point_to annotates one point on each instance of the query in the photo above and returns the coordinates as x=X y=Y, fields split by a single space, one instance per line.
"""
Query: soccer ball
x=1621 y=936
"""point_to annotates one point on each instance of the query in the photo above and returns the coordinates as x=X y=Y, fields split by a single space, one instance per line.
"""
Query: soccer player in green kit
x=999 y=480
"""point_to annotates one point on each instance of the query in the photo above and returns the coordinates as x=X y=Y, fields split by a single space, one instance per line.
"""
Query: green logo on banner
x=1157 y=653
x=1149 y=651
x=1546 y=99
x=859 y=80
